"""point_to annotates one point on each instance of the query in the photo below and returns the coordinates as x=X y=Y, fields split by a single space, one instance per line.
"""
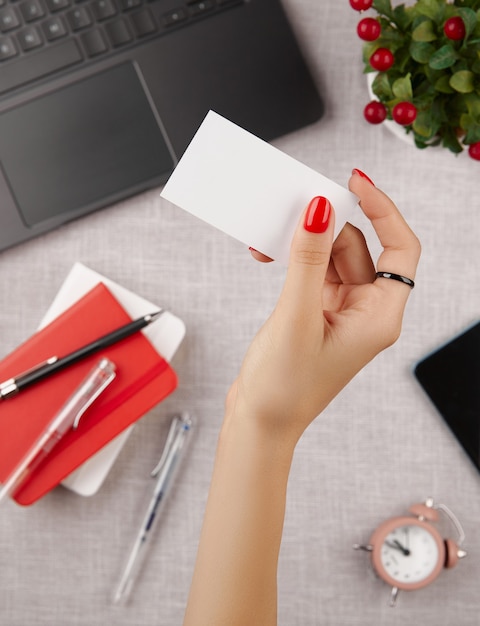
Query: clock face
x=409 y=554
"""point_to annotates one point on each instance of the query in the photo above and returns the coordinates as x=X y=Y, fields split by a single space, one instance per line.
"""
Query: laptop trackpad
x=76 y=149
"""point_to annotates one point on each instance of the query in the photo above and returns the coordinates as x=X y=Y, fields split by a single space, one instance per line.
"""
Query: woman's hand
x=332 y=317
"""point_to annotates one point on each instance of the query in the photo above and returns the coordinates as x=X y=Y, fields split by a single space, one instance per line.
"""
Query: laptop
x=99 y=98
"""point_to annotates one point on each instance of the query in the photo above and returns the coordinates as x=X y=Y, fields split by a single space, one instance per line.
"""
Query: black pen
x=52 y=365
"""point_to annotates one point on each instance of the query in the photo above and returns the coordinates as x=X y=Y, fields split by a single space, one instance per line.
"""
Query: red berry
x=382 y=59
x=368 y=29
x=404 y=113
x=361 y=5
x=454 y=28
x=474 y=151
x=375 y=112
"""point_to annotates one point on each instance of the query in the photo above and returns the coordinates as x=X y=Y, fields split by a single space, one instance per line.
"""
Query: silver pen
x=164 y=471
x=67 y=418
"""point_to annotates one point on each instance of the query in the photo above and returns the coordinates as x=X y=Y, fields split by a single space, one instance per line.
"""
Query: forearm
x=235 y=578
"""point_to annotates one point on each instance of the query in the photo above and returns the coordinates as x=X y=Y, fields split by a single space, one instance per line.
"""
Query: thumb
x=310 y=256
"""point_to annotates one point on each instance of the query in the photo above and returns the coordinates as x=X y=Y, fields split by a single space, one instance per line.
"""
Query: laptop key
x=57 y=5
x=118 y=33
x=94 y=42
x=54 y=28
x=201 y=7
x=8 y=19
x=103 y=9
x=79 y=18
x=38 y=64
x=31 y=10
x=29 y=38
x=7 y=49
x=174 y=17
x=143 y=23
x=127 y=5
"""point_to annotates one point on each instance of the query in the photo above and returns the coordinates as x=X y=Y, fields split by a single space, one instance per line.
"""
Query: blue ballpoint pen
x=165 y=471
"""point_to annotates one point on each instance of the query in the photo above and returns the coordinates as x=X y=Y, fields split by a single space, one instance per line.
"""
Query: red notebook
x=143 y=380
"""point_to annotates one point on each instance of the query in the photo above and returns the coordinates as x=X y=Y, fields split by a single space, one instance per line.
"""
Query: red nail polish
x=363 y=175
x=317 y=216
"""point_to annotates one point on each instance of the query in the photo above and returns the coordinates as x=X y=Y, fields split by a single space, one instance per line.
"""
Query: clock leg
x=394 y=596
x=357 y=546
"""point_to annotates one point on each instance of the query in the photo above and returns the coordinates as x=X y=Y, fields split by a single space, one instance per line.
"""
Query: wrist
x=257 y=437
x=270 y=423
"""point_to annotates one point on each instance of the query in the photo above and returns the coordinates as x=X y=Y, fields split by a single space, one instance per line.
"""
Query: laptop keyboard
x=41 y=37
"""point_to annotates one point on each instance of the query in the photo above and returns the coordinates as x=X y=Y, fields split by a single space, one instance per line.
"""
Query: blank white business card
x=248 y=188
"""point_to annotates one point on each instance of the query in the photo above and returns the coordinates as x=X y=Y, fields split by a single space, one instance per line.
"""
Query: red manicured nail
x=363 y=175
x=318 y=214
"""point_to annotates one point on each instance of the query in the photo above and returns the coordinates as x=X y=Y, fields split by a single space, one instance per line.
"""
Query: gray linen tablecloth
x=378 y=448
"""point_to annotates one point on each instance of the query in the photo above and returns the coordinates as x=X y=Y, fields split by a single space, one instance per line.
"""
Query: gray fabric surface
x=378 y=448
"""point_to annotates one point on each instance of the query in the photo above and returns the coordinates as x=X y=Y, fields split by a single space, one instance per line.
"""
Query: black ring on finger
x=399 y=277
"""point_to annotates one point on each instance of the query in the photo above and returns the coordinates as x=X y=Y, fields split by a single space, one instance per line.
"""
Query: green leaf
x=433 y=75
x=383 y=7
x=391 y=37
x=381 y=87
x=443 y=85
x=438 y=111
x=421 y=51
x=443 y=58
x=402 y=60
x=450 y=141
x=462 y=81
x=472 y=127
x=466 y=120
x=476 y=66
x=402 y=88
x=424 y=32
x=420 y=143
x=430 y=8
x=472 y=102
x=367 y=51
x=469 y=18
x=473 y=135
x=425 y=126
x=402 y=16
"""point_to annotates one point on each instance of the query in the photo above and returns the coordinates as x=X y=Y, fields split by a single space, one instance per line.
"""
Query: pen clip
x=179 y=422
x=93 y=387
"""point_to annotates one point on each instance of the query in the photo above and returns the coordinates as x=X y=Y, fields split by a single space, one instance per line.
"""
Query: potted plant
x=426 y=60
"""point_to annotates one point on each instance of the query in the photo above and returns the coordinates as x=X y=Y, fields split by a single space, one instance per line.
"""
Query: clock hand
x=405 y=551
x=396 y=545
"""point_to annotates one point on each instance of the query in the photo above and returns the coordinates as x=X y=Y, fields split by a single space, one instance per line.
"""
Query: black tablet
x=451 y=378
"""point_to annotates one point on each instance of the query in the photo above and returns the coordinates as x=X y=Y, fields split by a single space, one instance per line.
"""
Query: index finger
x=401 y=247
